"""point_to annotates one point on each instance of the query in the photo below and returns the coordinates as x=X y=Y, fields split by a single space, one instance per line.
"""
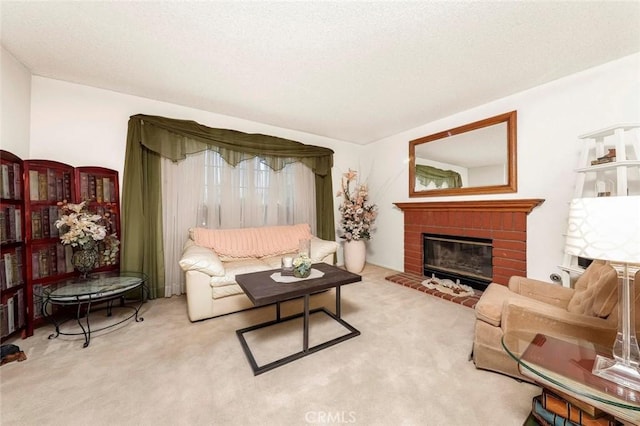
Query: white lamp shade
x=606 y=228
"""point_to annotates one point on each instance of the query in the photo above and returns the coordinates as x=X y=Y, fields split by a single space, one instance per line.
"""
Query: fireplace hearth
x=469 y=260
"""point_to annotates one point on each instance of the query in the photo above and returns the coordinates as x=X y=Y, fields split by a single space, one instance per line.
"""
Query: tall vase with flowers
x=87 y=233
x=357 y=218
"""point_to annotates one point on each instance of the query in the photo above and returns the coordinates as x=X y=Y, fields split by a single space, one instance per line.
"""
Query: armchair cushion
x=542 y=291
x=489 y=308
x=596 y=291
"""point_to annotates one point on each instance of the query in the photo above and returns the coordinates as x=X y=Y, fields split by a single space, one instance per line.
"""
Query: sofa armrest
x=201 y=259
x=321 y=249
x=529 y=315
x=552 y=294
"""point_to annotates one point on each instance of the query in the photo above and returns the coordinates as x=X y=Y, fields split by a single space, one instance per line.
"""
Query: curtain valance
x=175 y=139
x=427 y=174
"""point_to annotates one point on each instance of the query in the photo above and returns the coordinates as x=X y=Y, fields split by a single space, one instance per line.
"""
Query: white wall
x=550 y=118
x=15 y=103
x=85 y=126
x=80 y=125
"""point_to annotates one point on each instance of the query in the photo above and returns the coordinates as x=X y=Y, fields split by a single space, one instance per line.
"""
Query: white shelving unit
x=618 y=178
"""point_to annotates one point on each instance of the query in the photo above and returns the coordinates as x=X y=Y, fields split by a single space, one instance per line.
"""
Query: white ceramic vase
x=355 y=253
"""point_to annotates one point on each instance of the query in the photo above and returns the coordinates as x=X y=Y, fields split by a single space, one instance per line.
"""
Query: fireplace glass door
x=455 y=257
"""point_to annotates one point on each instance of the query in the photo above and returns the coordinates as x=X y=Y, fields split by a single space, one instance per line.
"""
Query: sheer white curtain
x=182 y=187
x=204 y=190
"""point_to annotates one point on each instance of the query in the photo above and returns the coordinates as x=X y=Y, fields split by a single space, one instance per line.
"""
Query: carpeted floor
x=409 y=367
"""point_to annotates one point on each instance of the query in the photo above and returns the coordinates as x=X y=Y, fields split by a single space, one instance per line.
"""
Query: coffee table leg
x=338 y=301
x=305 y=344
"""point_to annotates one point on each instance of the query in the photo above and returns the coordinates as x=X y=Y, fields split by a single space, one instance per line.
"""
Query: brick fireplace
x=502 y=221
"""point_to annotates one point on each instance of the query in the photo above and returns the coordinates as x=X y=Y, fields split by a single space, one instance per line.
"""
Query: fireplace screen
x=454 y=257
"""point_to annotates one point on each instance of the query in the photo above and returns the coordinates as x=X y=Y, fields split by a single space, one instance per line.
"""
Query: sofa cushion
x=226 y=291
x=322 y=248
x=201 y=259
x=237 y=267
x=596 y=291
x=234 y=244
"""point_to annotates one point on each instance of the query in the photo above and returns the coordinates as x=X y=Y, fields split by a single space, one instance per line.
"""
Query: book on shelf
x=51 y=185
x=36 y=224
x=33 y=185
x=53 y=260
x=5 y=182
x=92 y=187
x=4 y=320
x=54 y=215
x=12 y=269
x=66 y=186
x=35 y=265
x=3 y=275
x=11 y=315
x=10 y=224
x=603 y=160
x=99 y=189
x=46 y=230
x=44 y=263
x=3 y=226
x=106 y=188
x=59 y=188
x=17 y=182
x=8 y=270
x=84 y=186
x=18 y=223
x=43 y=186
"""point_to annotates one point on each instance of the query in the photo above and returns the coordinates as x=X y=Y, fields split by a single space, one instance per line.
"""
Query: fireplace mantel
x=509 y=205
x=502 y=221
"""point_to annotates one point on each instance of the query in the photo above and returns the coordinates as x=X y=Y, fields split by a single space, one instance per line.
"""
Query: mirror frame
x=512 y=181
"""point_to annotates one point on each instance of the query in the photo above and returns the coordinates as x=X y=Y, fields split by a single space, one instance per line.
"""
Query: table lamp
x=608 y=228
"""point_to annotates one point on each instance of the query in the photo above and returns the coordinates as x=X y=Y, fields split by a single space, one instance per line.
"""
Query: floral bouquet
x=302 y=266
x=357 y=214
x=83 y=229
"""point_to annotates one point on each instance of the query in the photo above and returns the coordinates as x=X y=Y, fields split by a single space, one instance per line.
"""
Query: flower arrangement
x=83 y=229
x=357 y=214
x=302 y=266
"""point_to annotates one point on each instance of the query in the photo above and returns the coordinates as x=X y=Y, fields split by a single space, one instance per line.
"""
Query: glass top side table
x=105 y=287
x=564 y=364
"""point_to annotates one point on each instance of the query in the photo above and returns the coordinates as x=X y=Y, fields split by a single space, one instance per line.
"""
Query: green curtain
x=151 y=137
x=428 y=174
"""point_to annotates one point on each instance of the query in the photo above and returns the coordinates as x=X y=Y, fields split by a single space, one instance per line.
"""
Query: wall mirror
x=477 y=158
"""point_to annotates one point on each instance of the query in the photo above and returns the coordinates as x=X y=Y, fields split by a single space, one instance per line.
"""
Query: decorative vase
x=84 y=258
x=355 y=253
x=301 y=266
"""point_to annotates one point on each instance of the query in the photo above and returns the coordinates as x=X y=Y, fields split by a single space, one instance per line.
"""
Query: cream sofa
x=212 y=258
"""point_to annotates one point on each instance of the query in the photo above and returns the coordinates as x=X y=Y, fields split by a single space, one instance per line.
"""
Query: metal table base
x=306 y=350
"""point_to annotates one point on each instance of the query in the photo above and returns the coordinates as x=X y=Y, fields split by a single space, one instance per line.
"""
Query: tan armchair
x=588 y=311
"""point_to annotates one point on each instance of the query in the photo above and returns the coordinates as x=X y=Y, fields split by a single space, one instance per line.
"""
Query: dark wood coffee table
x=262 y=290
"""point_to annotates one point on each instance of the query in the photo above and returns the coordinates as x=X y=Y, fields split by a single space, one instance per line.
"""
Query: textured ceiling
x=353 y=71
